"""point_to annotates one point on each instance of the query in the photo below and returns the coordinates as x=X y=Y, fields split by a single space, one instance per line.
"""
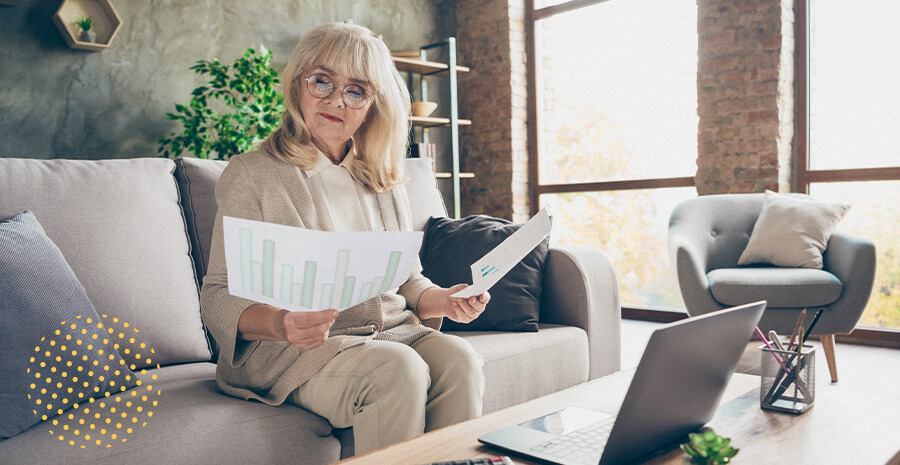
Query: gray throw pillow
x=54 y=350
x=792 y=231
x=451 y=246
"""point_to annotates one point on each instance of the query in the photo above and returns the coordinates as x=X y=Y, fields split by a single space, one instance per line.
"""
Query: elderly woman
x=336 y=164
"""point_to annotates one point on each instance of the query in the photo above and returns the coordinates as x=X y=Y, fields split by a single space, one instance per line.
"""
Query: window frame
x=532 y=17
x=803 y=174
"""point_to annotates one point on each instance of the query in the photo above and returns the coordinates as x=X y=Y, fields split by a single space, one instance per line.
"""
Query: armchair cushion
x=451 y=246
x=792 y=231
x=780 y=287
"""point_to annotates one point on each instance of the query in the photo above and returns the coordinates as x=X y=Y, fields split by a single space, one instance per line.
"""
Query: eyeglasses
x=321 y=86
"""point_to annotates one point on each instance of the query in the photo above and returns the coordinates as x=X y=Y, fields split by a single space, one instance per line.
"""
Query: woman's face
x=329 y=119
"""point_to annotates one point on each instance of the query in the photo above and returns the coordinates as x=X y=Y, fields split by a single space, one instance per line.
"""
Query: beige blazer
x=260 y=187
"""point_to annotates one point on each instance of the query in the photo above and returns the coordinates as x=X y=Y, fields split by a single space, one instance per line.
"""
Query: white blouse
x=342 y=202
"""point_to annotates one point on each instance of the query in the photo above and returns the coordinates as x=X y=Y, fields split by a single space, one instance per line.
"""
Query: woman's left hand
x=436 y=303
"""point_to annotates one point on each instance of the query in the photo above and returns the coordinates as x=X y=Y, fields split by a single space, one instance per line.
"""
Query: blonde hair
x=381 y=141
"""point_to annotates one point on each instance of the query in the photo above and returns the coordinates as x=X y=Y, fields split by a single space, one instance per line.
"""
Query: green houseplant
x=87 y=34
x=239 y=107
x=708 y=448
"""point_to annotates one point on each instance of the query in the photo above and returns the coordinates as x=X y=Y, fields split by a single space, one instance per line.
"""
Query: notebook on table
x=675 y=390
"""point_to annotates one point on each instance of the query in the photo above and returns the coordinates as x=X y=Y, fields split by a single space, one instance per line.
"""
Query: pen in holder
x=787 y=379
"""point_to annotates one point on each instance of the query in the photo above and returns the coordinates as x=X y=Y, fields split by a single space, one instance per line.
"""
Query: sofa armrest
x=580 y=289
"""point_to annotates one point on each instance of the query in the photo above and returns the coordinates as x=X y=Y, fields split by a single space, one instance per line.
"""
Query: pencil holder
x=787 y=379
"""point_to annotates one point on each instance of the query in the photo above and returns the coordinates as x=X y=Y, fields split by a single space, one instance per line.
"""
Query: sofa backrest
x=718 y=226
x=119 y=226
x=197 y=180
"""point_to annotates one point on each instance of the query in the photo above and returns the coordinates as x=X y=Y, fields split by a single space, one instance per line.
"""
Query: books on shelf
x=422 y=150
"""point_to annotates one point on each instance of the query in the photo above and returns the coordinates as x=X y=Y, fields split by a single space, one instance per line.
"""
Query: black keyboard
x=497 y=460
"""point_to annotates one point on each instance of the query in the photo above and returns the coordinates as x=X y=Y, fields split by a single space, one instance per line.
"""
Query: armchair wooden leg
x=828 y=346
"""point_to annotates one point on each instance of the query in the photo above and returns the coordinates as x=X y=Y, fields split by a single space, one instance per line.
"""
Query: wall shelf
x=427 y=68
x=432 y=122
x=442 y=175
x=415 y=63
x=105 y=22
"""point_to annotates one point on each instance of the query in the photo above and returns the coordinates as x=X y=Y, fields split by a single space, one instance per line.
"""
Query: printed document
x=489 y=269
x=305 y=270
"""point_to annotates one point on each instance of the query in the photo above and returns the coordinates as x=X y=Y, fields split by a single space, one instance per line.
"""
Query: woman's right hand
x=308 y=330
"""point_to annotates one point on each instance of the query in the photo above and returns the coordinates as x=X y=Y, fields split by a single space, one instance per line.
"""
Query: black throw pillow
x=451 y=246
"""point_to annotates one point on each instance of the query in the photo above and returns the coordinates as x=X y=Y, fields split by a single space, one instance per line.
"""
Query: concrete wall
x=57 y=102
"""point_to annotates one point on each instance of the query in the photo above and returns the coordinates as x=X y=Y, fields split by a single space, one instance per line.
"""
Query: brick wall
x=745 y=95
x=491 y=40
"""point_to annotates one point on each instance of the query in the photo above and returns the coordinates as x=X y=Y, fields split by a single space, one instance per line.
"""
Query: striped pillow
x=52 y=350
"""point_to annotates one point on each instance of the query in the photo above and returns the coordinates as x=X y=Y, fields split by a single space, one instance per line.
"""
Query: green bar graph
x=268 y=270
x=349 y=285
x=326 y=296
x=309 y=284
x=340 y=272
x=287 y=278
x=296 y=292
x=393 y=262
x=364 y=292
x=246 y=241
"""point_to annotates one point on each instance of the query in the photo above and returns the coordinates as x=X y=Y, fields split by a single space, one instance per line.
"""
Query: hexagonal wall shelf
x=105 y=22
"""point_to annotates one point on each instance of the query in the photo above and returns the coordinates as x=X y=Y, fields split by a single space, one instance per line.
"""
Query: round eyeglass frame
x=333 y=87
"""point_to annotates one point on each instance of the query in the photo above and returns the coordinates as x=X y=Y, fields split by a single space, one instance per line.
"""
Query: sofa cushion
x=792 y=231
x=120 y=227
x=780 y=287
x=43 y=310
x=421 y=188
x=192 y=422
x=451 y=246
x=197 y=180
x=554 y=358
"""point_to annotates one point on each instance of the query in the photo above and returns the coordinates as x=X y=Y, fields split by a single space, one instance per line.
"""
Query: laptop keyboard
x=582 y=446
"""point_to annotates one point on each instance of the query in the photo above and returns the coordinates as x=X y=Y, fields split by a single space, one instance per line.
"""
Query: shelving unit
x=424 y=68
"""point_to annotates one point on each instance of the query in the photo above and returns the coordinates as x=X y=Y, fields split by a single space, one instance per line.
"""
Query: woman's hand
x=437 y=303
x=305 y=330
x=308 y=330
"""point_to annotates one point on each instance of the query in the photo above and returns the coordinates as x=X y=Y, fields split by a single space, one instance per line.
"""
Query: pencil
x=796 y=328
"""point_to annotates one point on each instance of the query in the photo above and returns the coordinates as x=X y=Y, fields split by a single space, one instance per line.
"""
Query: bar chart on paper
x=304 y=270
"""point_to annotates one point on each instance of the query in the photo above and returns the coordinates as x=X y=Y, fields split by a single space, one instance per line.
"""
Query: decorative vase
x=88 y=36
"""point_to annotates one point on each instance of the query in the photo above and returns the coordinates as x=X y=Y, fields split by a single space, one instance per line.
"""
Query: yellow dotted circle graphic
x=67 y=371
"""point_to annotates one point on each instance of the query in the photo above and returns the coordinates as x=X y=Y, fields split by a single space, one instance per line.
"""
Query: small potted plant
x=87 y=34
x=708 y=448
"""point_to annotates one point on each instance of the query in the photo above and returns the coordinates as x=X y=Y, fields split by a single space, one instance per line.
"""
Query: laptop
x=675 y=390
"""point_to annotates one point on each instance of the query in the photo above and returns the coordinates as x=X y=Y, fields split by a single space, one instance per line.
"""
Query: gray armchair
x=707 y=235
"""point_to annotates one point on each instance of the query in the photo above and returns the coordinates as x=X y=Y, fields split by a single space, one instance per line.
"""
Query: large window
x=848 y=123
x=616 y=109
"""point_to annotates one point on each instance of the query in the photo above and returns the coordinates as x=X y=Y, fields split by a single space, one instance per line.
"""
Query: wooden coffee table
x=848 y=423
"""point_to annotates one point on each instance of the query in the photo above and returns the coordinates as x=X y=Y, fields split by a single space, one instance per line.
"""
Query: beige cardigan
x=260 y=187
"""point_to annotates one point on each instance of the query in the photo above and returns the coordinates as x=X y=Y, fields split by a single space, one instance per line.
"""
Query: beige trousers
x=389 y=392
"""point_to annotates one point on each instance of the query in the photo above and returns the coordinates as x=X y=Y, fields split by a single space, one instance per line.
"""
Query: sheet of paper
x=304 y=270
x=490 y=268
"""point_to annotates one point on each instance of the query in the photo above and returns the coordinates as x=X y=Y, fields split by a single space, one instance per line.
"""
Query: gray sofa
x=136 y=233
